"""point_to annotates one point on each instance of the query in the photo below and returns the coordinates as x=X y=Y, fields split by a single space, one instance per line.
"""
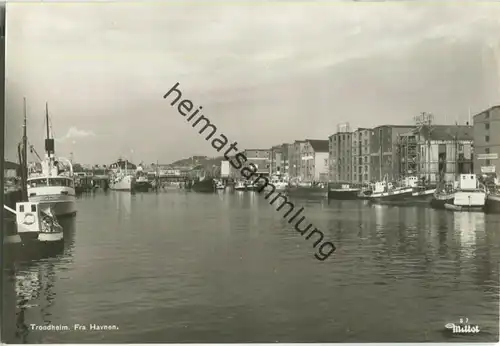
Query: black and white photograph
x=263 y=171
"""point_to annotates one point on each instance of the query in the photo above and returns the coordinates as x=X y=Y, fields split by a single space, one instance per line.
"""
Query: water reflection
x=30 y=278
x=466 y=227
x=123 y=202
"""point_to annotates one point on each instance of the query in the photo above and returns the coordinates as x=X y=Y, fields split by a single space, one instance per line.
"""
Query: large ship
x=122 y=176
x=51 y=182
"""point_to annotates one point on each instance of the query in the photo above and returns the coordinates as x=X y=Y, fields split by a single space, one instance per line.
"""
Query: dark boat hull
x=493 y=203
x=204 y=186
x=142 y=186
x=307 y=192
x=391 y=196
x=343 y=194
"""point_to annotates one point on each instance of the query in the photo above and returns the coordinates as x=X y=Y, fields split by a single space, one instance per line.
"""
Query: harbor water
x=226 y=267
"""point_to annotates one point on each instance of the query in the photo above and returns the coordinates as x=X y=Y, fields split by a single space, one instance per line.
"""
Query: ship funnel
x=49 y=146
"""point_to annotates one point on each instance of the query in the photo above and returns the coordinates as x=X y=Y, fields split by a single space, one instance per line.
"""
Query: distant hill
x=198 y=162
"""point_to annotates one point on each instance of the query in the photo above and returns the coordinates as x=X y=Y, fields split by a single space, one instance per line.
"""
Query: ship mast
x=24 y=155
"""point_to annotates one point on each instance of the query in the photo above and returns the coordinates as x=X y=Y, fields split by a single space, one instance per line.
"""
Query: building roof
x=319 y=145
x=448 y=132
x=10 y=165
x=486 y=110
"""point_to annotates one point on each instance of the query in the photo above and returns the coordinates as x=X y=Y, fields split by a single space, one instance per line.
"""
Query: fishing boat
x=121 y=176
x=386 y=191
x=142 y=183
x=469 y=196
x=51 y=182
x=343 y=192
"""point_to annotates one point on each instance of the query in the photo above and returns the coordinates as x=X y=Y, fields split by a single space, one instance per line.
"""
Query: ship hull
x=307 y=192
x=124 y=184
x=204 y=186
x=61 y=200
x=391 y=196
x=493 y=203
x=143 y=186
x=343 y=194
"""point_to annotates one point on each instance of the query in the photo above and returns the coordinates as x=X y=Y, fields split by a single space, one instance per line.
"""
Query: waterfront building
x=314 y=160
x=340 y=155
x=361 y=155
x=384 y=151
x=436 y=152
x=261 y=158
x=279 y=159
x=486 y=136
x=294 y=158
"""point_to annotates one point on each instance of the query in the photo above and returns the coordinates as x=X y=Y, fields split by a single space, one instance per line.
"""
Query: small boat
x=142 y=183
x=344 y=192
x=469 y=196
x=240 y=186
x=36 y=223
x=219 y=185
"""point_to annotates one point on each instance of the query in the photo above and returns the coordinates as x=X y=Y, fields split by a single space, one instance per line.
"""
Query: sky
x=265 y=72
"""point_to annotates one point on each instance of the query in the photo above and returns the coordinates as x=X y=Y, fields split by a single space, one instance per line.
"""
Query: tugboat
x=470 y=195
x=308 y=190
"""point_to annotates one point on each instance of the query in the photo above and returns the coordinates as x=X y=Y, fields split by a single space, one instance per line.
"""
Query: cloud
x=75 y=133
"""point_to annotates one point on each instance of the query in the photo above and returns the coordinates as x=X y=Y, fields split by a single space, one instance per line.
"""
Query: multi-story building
x=436 y=152
x=261 y=158
x=314 y=157
x=384 y=151
x=340 y=156
x=294 y=158
x=487 y=141
x=361 y=155
x=279 y=159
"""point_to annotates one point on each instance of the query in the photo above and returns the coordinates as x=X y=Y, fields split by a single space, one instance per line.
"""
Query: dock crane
x=33 y=151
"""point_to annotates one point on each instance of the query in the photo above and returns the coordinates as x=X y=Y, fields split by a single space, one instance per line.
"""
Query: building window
x=487 y=150
x=488 y=163
x=487 y=126
x=486 y=138
x=487 y=115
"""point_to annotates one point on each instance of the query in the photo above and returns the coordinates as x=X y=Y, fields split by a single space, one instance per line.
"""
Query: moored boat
x=343 y=192
x=314 y=191
x=51 y=182
x=240 y=186
x=142 y=183
x=385 y=191
x=121 y=176
x=204 y=185
x=493 y=197
x=469 y=196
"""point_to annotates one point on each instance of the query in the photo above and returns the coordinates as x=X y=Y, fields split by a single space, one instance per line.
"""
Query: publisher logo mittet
x=462 y=328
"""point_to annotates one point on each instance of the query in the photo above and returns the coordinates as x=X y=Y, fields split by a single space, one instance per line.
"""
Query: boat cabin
x=468 y=182
x=52 y=181
x=410 y=181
